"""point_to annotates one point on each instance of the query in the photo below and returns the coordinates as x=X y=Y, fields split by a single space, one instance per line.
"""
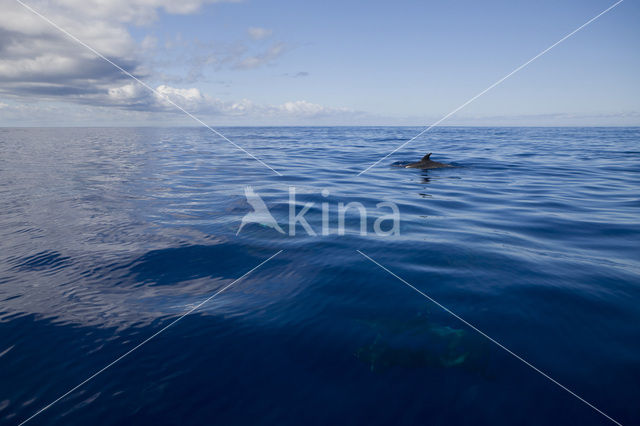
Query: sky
x=282 y=62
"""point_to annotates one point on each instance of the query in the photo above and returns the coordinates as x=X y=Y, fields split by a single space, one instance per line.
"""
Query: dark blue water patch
x=174 y=265
x=258 y=360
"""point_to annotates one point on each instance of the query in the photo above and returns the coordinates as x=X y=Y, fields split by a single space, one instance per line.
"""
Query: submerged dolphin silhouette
x=425 y=163
x=417 y=342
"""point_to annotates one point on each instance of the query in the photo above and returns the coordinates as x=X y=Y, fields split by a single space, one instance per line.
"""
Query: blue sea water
x=108 y=235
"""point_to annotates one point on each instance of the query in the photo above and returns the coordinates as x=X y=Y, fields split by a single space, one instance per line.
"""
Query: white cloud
x=149 y=43
x=258 y=33
x=308 y=109
x=38 y=59
x=189 y=99
x=136 y=97
x=125 y=94
x=40 y=64
x=138 y=12
x=266 y=57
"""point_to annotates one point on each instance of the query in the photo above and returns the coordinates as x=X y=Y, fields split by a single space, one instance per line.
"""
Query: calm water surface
x=107 y=235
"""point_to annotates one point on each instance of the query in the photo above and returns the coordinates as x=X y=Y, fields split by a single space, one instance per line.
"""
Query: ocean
x=505 y=290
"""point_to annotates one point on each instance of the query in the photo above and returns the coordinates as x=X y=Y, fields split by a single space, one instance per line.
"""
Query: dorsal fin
x=426 y=157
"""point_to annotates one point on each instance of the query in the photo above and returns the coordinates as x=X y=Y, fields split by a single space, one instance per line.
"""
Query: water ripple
x=109 y=234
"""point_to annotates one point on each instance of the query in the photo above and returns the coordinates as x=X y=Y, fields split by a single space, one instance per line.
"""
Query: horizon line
x=315 y=125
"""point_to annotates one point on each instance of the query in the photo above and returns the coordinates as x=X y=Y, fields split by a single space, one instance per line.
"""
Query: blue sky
x=260 y=62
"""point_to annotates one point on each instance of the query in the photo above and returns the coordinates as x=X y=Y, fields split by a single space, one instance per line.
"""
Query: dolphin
x=425 y=163
x=418 y=342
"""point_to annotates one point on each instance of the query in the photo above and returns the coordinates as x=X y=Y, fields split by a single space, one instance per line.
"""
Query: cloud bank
x=135 y=97
x=39 y=63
